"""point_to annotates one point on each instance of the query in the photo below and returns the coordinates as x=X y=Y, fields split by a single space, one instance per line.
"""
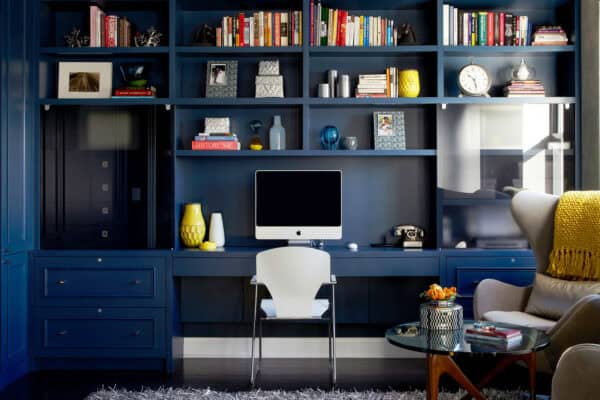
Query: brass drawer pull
x=62 y=333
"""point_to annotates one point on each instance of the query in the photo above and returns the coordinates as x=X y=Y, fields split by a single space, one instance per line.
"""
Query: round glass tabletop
x=411 y=336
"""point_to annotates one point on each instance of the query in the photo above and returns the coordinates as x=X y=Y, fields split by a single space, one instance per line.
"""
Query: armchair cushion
x=519 y=318
x=552 y=297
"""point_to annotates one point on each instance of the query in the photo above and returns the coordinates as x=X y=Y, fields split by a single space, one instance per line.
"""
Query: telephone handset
x=409 y=235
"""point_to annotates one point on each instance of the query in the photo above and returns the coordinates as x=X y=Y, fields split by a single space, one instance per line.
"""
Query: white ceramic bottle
x=216 y=232
x=277 y=135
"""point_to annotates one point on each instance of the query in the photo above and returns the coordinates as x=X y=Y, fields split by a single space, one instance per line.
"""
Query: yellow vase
x=408 y=83
x=192 y=228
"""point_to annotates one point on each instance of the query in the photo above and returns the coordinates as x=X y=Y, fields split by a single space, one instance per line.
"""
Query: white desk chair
x=293 y=276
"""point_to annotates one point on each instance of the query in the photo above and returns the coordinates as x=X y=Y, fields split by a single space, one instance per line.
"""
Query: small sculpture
x=151 y=39
x=75 y=39
x=406 y=35
x=255 y=142
x=205 y=36
x=134 y=74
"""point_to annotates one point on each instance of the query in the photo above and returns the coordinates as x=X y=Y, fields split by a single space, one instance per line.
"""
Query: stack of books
x=372 y=85
x=333 y=27
x=261 y=29
x=216 y=141
x=530 y=88
x=484 y=28
x=108 y=30
x=132 y=92
x=492 y=335
x=550 y=36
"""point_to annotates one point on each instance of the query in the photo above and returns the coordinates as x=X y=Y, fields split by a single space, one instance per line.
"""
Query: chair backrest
x=293 y=276
x=534 y=213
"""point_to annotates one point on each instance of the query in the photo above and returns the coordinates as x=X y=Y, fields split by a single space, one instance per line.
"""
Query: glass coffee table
x=440 y=346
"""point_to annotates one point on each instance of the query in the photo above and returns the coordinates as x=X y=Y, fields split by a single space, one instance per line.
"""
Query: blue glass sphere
x=330 y=137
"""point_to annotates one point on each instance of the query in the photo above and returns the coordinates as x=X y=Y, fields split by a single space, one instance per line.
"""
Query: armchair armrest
x=580 y=324
x=576 y=375
x=493 y=295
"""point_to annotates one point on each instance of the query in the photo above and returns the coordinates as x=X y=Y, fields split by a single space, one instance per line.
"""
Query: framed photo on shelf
x=84 y=80
x=221 y=79
x=388 y=130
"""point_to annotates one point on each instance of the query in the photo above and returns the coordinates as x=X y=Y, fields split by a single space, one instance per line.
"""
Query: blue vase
x=330 y=137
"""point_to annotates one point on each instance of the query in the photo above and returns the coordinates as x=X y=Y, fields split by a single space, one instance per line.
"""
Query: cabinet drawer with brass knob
x=83 y=281
x=116 y=332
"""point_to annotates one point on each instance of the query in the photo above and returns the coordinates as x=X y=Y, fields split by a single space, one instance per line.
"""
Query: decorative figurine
x=406 y=35
x=523 y=72
x=255 y=142
x=134 y=75
x=75 y=39
x=205 y=36
x=151 y=39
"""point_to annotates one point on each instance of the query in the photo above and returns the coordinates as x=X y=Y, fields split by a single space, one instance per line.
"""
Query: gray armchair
x=500 y=302
x=576 y=375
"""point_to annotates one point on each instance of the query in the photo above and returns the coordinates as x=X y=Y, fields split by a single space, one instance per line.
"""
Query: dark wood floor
x=232 y=375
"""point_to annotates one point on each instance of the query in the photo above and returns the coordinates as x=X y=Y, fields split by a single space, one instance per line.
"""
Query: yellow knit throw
x=576 y=252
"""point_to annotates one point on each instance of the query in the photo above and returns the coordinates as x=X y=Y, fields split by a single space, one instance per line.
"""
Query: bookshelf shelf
x=239 y=101
x=238 y=50
x=309 y=153
x=104 y=51
x=104 y=102
x=360 y=102
x=505 y=50
x=507 y=100
x=349 y=50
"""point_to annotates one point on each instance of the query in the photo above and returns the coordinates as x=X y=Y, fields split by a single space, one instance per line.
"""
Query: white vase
x=216 y=232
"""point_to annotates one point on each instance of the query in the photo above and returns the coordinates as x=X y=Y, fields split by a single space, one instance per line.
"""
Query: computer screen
x=298 y=204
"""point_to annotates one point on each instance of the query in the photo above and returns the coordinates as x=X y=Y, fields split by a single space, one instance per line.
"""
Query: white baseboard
x=205 y=347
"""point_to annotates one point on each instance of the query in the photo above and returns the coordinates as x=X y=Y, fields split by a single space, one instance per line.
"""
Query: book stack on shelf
x=484 y=28
x=490 y=336
x=108 y=30
x=550 y=36
x=529 y=88
x=216 y=141
x=261 y=29
x=134 y=92
x=333 y=27
x=378 y=85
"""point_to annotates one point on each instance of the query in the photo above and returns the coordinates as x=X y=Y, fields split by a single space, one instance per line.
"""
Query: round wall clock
x=474 y=80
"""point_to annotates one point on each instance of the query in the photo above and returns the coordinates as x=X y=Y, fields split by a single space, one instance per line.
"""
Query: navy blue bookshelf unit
x=99 y=203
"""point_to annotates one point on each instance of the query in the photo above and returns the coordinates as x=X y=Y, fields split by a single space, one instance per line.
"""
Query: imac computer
x=298 y=206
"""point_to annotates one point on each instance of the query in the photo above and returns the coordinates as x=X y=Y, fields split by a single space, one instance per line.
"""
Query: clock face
x=474 y=80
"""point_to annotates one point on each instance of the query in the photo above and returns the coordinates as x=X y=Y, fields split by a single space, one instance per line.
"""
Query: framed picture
x=388 y=130
x=84 y=80
x=221 y=79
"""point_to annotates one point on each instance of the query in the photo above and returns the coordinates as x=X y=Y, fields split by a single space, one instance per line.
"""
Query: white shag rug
x=306 y=394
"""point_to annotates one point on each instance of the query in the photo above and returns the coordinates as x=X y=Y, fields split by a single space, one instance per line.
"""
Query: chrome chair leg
x=260 y=336
x=252 y=376
x=334 y=380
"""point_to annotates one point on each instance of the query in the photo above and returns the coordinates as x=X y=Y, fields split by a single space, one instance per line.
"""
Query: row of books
x=378 y=85
x=333 y=27
x=261 y=29
x=529 y=88
x=109 y=30
x=216 y=141
x=484 y=28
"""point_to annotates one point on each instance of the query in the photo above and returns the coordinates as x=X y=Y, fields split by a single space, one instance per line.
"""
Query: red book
x=490 y=29
x=241 y=28
x=215 y=145
x=277 y=30
x=341 y=39
x=494 y=332
x=133 y=92
x=502 y=22
x=106 y=30
x=312 y=23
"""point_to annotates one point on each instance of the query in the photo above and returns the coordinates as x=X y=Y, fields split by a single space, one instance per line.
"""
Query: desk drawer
x=112 y=281
x=400 y=266
x=99 y=332
x=468 y=279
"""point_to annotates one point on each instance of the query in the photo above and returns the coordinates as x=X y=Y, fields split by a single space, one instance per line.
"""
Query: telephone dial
x=410 y=236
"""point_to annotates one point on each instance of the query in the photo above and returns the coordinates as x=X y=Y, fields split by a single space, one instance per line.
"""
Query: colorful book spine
x=241 y=25
x=490 y=28
x=312 y=24
x=482 y=28
x=501 y=26
x=215 y=145
x=277 y=29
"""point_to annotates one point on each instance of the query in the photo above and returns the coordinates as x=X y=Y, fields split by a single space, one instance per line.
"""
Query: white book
x=261 y=28
x=446 y=25
x=284 y=35
x=99 y=25
x=349 y=32
x=318 y=24
x=455 y=16
x=250 y=32
x=466 y=32
x=224 y=32
x=373 y=31
x=357 y=31
x=372 y=76
x=378 y=22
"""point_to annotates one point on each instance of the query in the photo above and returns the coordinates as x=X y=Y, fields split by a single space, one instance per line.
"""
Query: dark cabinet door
x=17 y=117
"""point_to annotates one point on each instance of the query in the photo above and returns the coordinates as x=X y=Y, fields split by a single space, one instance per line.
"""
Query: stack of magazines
x=492 y=337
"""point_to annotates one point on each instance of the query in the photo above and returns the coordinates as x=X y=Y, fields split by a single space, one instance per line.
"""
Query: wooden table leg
x=438 y=365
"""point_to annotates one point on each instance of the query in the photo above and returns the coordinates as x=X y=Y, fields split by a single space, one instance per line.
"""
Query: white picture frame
x=84 y=80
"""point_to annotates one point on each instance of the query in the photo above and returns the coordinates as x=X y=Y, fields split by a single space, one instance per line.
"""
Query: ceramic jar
x=409 y=84
x=192 y=227
x=216 y=232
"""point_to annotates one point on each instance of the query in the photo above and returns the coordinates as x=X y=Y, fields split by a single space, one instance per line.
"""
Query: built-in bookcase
x=399 y=186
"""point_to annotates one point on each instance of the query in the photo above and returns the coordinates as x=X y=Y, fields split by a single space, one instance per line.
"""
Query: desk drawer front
x=401 y=266
x=80 y=281
x=468 y=279
x=99 y=333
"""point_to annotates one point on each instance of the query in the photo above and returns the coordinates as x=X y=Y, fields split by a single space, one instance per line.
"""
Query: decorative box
x=270 y=67
x=216 y=125
x=269 y=86
x=441 y=315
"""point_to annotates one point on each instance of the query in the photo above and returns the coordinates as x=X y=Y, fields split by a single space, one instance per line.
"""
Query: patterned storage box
x=441 y=316
x=269 y=86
